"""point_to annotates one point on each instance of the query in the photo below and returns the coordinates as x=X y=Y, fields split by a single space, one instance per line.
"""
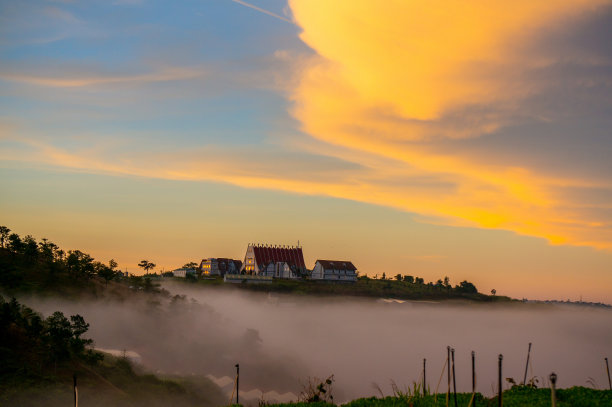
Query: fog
x=280 y=340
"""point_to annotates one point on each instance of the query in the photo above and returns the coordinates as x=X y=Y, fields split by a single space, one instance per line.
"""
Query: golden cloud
x=389 y=80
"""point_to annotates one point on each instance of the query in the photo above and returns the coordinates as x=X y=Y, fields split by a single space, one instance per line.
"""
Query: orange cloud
x=453 y=198
x=417 y=60
x=385 y=86
x=388 y=81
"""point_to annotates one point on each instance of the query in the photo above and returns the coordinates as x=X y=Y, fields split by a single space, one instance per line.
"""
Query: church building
x=274 y=261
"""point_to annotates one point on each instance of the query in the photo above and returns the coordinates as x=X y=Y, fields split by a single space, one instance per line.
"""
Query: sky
x=430 y=139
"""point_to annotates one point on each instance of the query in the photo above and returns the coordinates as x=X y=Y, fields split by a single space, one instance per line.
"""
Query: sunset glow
x=469 y=140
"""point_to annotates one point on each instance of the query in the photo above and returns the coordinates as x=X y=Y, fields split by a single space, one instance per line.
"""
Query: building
x=182 y=272
x=334 y=270
x=220 y=266
x=280 y=269
x=274 y=261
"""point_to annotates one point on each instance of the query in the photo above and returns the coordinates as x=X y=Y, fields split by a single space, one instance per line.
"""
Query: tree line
x=31 y=344
x=442 y=285
x=28 y=263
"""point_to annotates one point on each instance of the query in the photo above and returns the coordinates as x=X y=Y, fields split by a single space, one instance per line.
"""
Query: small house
x=334 y=270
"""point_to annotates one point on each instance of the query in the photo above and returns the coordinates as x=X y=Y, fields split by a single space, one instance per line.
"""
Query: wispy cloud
x=261 y=10
x=70 y=81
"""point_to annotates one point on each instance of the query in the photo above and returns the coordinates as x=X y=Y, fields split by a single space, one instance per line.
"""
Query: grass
x=519 y=396
x=112 y=382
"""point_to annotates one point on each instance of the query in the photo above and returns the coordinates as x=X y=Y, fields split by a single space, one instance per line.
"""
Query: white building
x=334 y=270
x=274 y=261
x=280 y=269
x=220 y=266
x=183 y=272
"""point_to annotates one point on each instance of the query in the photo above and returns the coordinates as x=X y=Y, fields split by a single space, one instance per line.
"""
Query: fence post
x=608 y=370
x=527 y=364
x=499 y=381
x=424 y=376
x=448 y=375
x=474 y=377
x=454 y=381
x=237 y=383
x=75 y=390
x=553 y=395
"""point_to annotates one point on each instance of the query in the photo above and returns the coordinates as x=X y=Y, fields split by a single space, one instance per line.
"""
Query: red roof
x=293 y=256
x=337 y=265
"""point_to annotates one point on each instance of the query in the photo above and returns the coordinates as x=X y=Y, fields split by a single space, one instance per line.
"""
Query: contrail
x=262 y=10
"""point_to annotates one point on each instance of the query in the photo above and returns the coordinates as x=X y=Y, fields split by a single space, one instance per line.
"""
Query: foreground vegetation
x=519 y=396
x=40 y=356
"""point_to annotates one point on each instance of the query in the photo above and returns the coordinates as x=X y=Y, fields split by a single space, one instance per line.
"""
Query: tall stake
x=424 y=376
x=75 y=390
x=448 y=374
x=454 y=382
x=553 y=396
x=474 y=377
x=527 y=364
x=608 y=370
x=237 y=382
x=499 y=381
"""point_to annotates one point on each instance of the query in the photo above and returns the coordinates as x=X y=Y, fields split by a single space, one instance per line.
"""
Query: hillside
x=364 y=287
x=40 y=357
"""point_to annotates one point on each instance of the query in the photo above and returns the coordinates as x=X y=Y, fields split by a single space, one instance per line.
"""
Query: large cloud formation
x=414 y=91
x=487 y=114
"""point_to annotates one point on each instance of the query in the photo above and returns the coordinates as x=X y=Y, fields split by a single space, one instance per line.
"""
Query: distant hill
x=401 y=289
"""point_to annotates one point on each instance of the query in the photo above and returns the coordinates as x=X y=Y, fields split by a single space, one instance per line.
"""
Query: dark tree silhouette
x=4 y=233
x=146 y=265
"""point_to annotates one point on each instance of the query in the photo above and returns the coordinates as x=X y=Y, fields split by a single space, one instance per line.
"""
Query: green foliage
x=28 y=344
x=518 y=396
x=27 y=265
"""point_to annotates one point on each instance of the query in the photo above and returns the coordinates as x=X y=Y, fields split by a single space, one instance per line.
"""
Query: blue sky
x=472 y=142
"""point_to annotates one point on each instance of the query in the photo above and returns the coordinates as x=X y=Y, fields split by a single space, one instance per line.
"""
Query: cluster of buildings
x=263 y=262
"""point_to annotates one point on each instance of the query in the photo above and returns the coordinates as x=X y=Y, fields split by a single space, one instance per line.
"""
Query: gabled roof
x=293 y=256
x=223 y=263
x=337 y=265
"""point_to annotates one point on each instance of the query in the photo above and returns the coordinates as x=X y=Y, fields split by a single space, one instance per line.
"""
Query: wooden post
x=448 y=376
x=527 y=364
x=454 y=381
x=474 y=377
x=553 y=396
x=237 y=383
x=499 y=381
x=75 y=390
x=608 y=370
x=424 y=377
